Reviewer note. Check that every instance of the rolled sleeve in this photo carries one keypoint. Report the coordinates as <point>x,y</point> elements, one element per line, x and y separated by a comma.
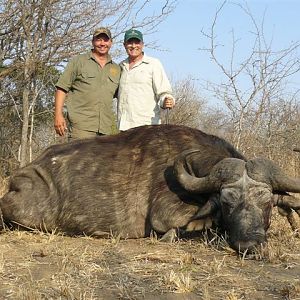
<point>161,84</point>
<point>67,78</point>
<point>163,97</point>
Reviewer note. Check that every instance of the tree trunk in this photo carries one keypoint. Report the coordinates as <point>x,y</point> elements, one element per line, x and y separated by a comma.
<point>25,124</point>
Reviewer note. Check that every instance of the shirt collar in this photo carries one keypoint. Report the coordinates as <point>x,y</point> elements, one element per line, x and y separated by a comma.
<point>145,59</point>
<point>109,59</point>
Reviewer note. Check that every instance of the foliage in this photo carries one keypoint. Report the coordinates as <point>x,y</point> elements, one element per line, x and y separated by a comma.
<point>189,105</point>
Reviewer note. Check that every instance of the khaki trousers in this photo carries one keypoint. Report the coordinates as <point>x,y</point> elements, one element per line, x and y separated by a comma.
<point>76,134</point>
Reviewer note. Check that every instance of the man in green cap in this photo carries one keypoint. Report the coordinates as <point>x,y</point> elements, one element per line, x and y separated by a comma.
<point>88,84</point>
<point>144,87</point>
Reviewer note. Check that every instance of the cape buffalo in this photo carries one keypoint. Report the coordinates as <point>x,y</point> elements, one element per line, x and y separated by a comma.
<point>160,178</point>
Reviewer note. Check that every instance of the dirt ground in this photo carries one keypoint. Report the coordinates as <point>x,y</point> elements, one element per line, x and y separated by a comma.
<point>36,265</point>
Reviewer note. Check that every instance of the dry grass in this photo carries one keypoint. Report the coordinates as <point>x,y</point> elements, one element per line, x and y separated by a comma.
<point>178,283</point>
<point>3,185</point>
<point>35,265</point>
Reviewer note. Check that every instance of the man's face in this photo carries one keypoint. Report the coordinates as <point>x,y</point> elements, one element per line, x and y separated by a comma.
<point>102,44</point>
<point>134,47</point>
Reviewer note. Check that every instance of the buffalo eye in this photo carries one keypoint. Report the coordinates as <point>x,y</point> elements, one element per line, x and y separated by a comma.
<point>230,196</point>
<point>263,198</point>
<point>227,208</point>
<point>229,200</point>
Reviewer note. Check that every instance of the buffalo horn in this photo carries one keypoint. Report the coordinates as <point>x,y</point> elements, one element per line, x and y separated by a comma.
<point>274,175</point>
<point>191,183</point>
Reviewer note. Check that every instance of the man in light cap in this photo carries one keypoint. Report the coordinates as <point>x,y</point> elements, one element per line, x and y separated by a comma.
<point>144,87</point>
<point>90,82</point>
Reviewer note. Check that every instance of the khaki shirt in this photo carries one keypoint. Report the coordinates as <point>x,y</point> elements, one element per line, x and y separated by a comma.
<point>142,91</point>
<point>90,91</point>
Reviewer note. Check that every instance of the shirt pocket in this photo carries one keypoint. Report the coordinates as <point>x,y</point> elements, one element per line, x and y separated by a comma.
<point>87,77</point>
<point>114,79</point>
<point>143,76</point>
<point>112,83</point>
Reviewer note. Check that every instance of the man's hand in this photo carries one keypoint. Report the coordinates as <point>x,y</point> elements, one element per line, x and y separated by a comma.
<point>168,103</point>
<point>60,125</point>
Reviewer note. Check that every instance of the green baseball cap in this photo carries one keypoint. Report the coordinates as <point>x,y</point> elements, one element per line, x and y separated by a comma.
<point>133,34</point>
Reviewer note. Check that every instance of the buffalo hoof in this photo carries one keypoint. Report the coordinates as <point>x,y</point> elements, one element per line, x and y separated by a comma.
<point>170,236</point>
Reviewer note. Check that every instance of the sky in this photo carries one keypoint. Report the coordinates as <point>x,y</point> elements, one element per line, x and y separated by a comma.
<point>180,35</point>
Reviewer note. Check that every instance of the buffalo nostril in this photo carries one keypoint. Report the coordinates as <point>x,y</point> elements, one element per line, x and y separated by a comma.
<point>258,233</point>
<point>251,242</point>
<point>248,247</point>
<point>258,237</point>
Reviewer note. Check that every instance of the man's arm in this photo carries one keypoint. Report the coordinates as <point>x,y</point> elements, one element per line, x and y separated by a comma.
<point>162,86</point>
<point>60,124</point>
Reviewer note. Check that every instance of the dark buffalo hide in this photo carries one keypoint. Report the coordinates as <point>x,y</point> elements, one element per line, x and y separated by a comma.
<point>160,178</point>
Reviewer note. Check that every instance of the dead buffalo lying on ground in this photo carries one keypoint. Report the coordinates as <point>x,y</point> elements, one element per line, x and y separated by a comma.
<point>157,178</point>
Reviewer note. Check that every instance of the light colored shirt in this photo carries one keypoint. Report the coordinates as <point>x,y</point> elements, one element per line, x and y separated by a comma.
<point>142,91</point>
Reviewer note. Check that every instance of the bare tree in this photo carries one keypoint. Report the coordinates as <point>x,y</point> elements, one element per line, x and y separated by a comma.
<point>189,105</point>
<point>37,35</point>
<point>252,87</point>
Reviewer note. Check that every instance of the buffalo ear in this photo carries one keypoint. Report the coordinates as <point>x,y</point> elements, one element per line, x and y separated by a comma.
<point>210,207</point>
<point>287,204</point>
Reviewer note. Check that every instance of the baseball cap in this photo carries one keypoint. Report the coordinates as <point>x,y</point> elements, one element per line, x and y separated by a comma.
<point>102,30</point>
<point>133,34</point>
